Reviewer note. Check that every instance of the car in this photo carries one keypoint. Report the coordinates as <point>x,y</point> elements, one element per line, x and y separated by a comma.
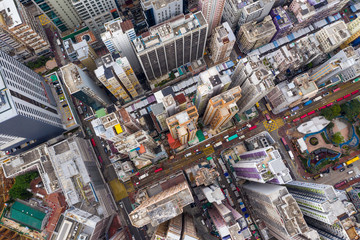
<point>85,109</point>
<point>325,94</point>
<point>350,179</point>
<point>70,118</point>
<point>105,150</point>
<point>342,169</point>
<point>350,172</point>
<point>65,105</point>
<point>350,165</point>
<point>326,171</point>
<point>62,100</point>
<point>199,152</point>
<point>55,34</point>
<point>196,150</point>
<point>62,49</point>
<point>286,117</point>
<point>357,176</point>
<point>80,103</point>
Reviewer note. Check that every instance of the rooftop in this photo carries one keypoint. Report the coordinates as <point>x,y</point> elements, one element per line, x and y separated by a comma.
<point>315,124</point>
<point>72,77</point>
<point>255,30</point>
<point>25,214</point>
<point>168,30</point>
<point>9,14</point>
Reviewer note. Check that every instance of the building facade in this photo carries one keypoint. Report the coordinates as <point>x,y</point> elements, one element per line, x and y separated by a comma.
<point>332,36</point>
<point>61,13</point>
<point>183,126</point>
<point>81,86</point>
<point>28,113</point>
<point>253,35</point>
<point>22,26</point>
<point>117,38</point>
<point>222,43</point>
<point>222,108</point>
<point>156,11</point>
<point>82,52</point>
<point>277,208</point>
<point>212,11</point>
<point>172,44</point>
<point>282,22</point>
<point>255,11</point>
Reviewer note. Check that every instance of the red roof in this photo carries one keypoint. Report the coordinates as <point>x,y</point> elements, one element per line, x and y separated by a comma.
<point>180,98</point>
<point>126,25</point>
<point>172,142</point>
<point>142,149</point>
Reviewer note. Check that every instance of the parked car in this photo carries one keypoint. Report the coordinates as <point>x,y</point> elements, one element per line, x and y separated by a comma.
<point>342,169</point>
<point>325,94</point>
<point>350,165</point>
<point>350,179</point>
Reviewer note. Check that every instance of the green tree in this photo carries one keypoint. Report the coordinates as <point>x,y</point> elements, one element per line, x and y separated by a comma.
<point>351,109</point>
<point>19,192</point>
<point>22,182</point>
<point>332,112</point>
<point>337,138</point>
<point>330,125</point>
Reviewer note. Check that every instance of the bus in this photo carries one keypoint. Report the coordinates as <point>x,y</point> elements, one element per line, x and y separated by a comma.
<point>268,107</point>
<point>352,161</point>
<point>232,137</point>
<point>339,99</point>
<point>338,185</point>
<point>310,113</point>
<point>285,144</point>
<point>295,108</point>
<point>253,127</point>
<point>93,142</point>
<point>317,98</point>
<point>355,92</point>
<point>336,89</point>
<point>218,144</point>
<point>308,103</point>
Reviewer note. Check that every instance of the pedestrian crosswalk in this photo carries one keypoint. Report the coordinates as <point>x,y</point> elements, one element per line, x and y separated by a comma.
<point>273,125</point>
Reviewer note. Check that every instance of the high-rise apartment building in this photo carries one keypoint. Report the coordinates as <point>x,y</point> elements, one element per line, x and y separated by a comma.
<point>309,12</point>
<point>222,108</point>
<point>282,22</point>
<point>129,122</point>
<point>343,66</point>
<point>110,127</point>
<point>255,81</point>
<point>175,228</point>
<point>189,230</point>
<point>117,38</point>
<point>222,43</point>
<point>262,165</point>
<point>28,113</point>
<point>95,13</point>
<point>156,11</point>
<point>332,36</point>
<point>163,206</point>
<point>279,211</point>
<point>118,77</point>
<point>22,27</point>
<point>212,11</point>
<point>231,13</point>
<point>81,86</point>
<point>61,13</point>
<point>210,84</point>
<point>82,52</point>
<point>255,11</point>
<point>322,207</point>
<point>253,34</point>
<point>183,126</point>
<point>159,112</point>
<point>172,44</point>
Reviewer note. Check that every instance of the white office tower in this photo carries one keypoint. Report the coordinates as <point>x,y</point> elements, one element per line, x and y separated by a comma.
<point>255,81</point>
<point>279,211</point>
<point>95,13</point>
<point>28,113</point>
<point>322,206</point>
<point>262,165</point>
<point>211,83</point>
<point>81,86</point>
<point>255,11</point>
<point>117,38</point>
<point>167,46</point>
<point>161,10</point>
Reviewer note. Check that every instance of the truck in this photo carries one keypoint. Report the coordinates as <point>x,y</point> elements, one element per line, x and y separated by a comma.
<point>338,166</point>
<point>308,103</point>
<point>217,145</point>
<point>318,176</point>
<point>58,42</point>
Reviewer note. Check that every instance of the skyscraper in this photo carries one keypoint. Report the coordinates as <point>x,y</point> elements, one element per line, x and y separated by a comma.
<point>81,86</point>
<point>95,13</point>
<point>22,27</point>
<point>212,11</point>
<point>172,44</point>
<point>210,84</point>
<point>322,206</point>
<point>222,108</point>
<point>82,52</point>
<point>222,43</point>
<point>255,81</point>
<point>277,208</point>
<point>183,126</point>
<point>28,114</point>
<point>255,11</point>
<point>156,11</point>
<point>61,13</point>
<point>117,38</point>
